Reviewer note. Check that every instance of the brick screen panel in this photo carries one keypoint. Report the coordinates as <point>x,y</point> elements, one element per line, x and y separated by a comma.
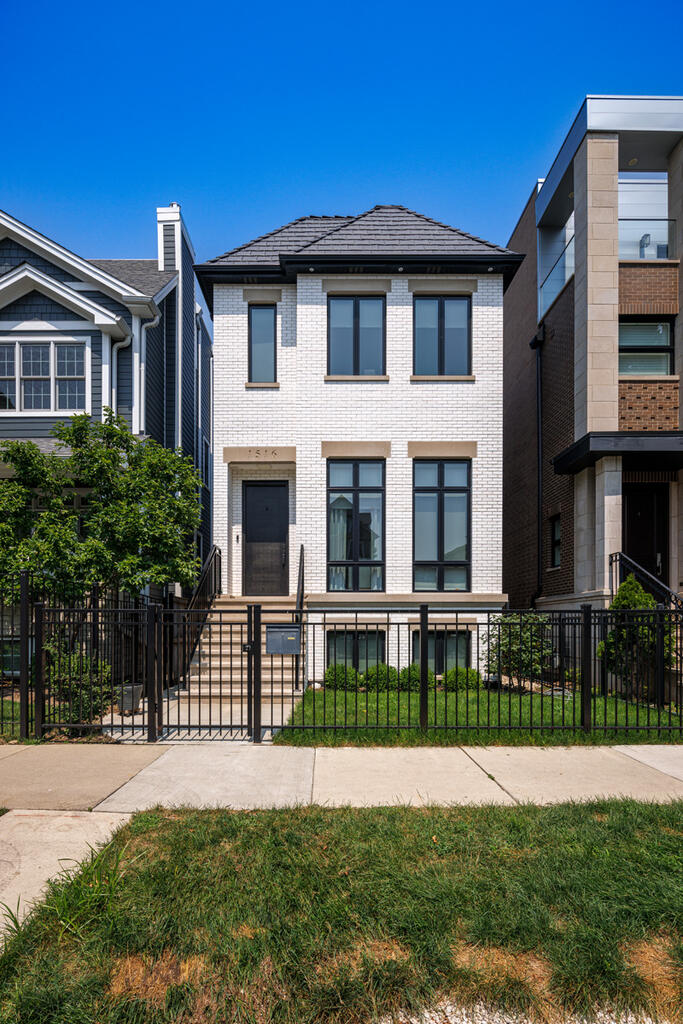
<point>558,433</point>
<point>648,405</point>
<point>648,289</point>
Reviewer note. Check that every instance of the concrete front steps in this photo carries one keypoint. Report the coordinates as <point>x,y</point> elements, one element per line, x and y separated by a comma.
<point>219,665</point>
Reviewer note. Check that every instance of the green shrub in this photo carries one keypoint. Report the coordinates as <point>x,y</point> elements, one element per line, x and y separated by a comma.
<point>381,677</point>
<point>462,678</point>
<point>341,677</point>
<point>630,648</point>
<point>519,646</point>
<point>409,677</point>
<point>81,683</point>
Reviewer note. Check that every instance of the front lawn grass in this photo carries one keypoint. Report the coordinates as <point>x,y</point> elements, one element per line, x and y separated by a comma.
<point>311,914</point>
<point>392,719</point>
<point>9,718</point>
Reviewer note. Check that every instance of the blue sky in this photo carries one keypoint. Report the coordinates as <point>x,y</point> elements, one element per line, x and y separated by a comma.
<point>250,115</point>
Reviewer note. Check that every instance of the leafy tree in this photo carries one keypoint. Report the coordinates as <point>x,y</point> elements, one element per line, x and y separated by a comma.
<point>519,646</point>
<point>140,514</point>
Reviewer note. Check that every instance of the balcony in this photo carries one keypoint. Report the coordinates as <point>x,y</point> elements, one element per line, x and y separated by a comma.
<point>556,279</point>
<point>651,239</point>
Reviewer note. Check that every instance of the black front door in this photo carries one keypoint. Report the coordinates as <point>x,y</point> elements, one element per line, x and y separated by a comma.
<point>646,527</point>
<point>265,569</point>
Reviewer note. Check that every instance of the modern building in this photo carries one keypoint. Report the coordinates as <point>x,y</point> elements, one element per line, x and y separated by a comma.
<point>82,335</point>
<point>593,449</point>
<point>358,413</point>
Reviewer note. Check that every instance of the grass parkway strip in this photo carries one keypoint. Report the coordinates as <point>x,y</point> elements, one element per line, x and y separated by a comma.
<point>312,914</point>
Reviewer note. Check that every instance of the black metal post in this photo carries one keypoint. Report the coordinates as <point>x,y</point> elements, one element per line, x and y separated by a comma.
<point>161,661</point>
<point>95,640</point>
<point>151,675</point>
<point>660,659</point>
<point>24,641</point>
<point>586,666</point>
<point>250,671</point>
<point>424,666</point>
<point>38,678</point>
<point>256,668</point>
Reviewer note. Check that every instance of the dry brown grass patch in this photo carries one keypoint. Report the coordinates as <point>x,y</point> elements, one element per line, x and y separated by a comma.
<point>652,960</point>
<point>377,950</point>
<point>143,978</point>
<point>246,931</point>
<point>493,962</point>
<point>257,998</point>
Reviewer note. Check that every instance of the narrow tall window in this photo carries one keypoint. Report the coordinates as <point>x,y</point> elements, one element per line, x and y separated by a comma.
<point>645,349</point>
<point>70,376</point>
<point>35,376</point>
<point>355,332</point>
<point>555,542</point>
<point>441,525</point>
<point>355,525</point>
<point>262,347</point>
<point>441,336</point>
<point>8,397</point>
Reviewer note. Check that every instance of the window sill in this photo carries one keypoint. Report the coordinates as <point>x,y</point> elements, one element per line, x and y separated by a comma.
<point>648,376</point>
<point>441,378</point>
<point>341,378</point>
<point>261,385</point>
<point>63,414</point>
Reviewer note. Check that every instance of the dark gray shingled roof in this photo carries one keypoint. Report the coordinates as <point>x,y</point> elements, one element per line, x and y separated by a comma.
<point>289,238</point>
<point>382,231</point>
<point>143,275</point>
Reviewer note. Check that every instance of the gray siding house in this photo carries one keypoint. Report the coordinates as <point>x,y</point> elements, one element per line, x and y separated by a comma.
<point>80,335</point>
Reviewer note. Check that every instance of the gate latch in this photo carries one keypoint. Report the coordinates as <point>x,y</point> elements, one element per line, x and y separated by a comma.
<point>246,648</point>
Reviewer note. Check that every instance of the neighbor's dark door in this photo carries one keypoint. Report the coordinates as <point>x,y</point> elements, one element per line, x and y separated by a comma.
<point>265,568</point>
<point>646,527</point>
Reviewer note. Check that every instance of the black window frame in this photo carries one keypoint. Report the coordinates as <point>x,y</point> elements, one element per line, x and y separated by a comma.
<point>441,648</point>
<point>555,545</point>
<point>442,335</point>
<point>632,321</point>
<point>261,305</point>
<point>356,563</point>
<point>441,489</point>
<point>378,631</point>
<point>356,299</point>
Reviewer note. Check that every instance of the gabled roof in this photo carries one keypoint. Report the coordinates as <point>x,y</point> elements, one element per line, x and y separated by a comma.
<point>143,275</point>
<point>289,238</point>
<point>25,278</point>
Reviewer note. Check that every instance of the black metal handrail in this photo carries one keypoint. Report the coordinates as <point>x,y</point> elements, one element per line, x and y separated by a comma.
<point>622,566</point>
<point>209,583</point>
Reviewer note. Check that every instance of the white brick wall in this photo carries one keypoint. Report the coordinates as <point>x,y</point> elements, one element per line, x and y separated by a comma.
<point>306,410</point>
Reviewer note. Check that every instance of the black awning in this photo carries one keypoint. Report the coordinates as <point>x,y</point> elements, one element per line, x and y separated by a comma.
<point>660,449</point>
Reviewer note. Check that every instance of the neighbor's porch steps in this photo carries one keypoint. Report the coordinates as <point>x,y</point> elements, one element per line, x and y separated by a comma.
<point>219,665</point>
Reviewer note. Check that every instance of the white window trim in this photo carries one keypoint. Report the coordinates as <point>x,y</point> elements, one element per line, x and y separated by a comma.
<point>56,339</point>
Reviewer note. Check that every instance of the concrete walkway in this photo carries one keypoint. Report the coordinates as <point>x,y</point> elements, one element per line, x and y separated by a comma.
<point>54,787</point>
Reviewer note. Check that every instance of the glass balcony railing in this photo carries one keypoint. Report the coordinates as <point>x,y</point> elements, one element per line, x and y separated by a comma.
<point>561,271</point>
<point>646,239</point>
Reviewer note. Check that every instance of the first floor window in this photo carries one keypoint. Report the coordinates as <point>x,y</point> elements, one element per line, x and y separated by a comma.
<point>355,525</point>
<point>441,525</point>
<point>360,648</point>
<point>441,329</point>
<point>555,542</point>
<point>262,347</point>
<point>43,376</point>
<point>446,649</point>
<point>355,330</point>
<point>645,348</point>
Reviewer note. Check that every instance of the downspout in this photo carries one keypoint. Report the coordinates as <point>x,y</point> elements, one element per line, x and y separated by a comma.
<point>115,369</point>
<point>536,344</point>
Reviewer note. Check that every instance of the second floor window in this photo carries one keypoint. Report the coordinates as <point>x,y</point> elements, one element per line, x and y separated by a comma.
<point>442,330</point>
<point>645,349</point>
<point>355,336</point>
<point>355,525</point>
<point>43,376</point>
<point>441,525</point>
<point>262,347</point>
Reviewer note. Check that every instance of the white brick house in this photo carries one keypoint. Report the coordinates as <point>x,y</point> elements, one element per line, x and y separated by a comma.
<point>358,370</point>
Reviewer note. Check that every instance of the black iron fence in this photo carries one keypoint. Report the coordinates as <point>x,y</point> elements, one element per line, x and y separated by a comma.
<point>146,671</point>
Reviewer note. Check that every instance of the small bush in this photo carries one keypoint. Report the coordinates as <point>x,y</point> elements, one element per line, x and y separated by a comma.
<point>409,677</point>
<point>381,677</point>
<point>341,677</point>
<point>462,678</point>
<point>79,682</point>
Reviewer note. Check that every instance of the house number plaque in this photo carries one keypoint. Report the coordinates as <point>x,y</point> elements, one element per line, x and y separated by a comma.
<point>260,453</point>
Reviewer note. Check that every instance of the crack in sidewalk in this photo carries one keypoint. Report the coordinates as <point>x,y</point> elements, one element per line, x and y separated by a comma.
<point>489,776</point>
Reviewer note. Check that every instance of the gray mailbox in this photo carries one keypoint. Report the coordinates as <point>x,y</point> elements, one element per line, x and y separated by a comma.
<point>283,639</point>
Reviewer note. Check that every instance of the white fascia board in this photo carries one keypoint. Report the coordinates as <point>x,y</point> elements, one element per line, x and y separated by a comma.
<point>56,253</point>
<point>25,278</point>
<point>163,292</point>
